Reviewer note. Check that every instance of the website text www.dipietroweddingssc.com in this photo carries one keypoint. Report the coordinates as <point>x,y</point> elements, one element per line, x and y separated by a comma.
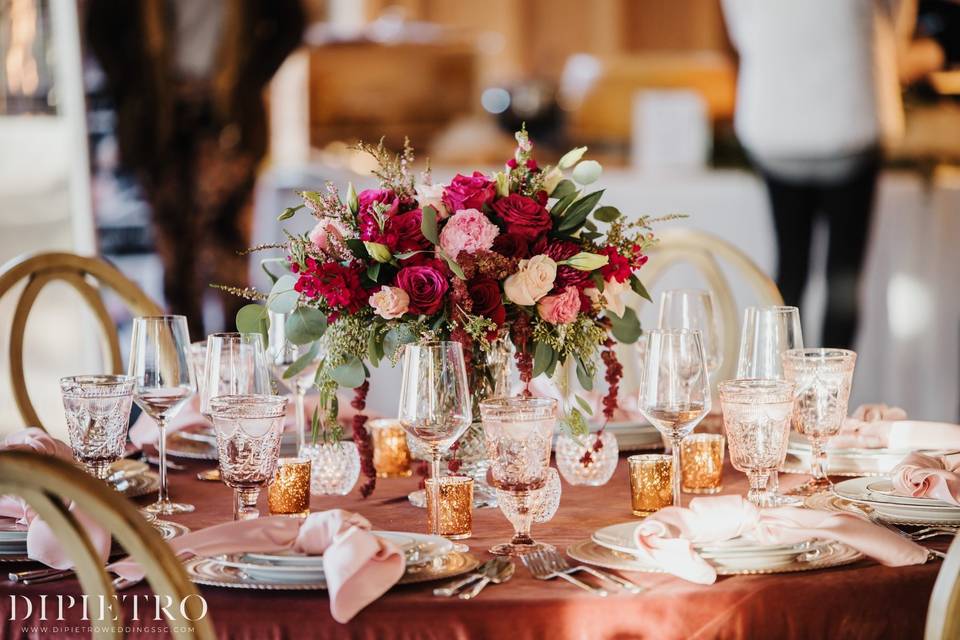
<point>151,613</point>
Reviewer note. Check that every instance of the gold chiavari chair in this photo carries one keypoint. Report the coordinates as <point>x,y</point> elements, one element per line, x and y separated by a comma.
<point>46,483</point>
<point>86,275</point>
<point>943,615</point>
<point>705,253</point>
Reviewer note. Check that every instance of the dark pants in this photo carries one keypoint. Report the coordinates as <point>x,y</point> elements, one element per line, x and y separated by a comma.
<point>847,207</point>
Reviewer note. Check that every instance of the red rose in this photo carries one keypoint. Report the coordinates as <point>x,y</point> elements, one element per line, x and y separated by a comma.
<point>523,216</point>
<point>339,286</point>
<point>511,245</point>
<point>406,229</point>
<point>426,287</point>
<point>368,197</point>
<point>468,192</point>
<point>617,268</point>
<point>375,221</point>
<point>487,300</point>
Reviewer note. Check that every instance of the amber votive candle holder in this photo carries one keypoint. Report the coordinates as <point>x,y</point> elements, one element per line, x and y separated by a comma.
<point>456,506</point>
<point>289,493</point>
<point>391,456</point>
<point>701,462</point>
<point>650,483</point>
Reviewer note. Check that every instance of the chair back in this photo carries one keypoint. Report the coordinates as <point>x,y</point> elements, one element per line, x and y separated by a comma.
<point>47,484</point>
<point>86,275</point>
<point>943,614</point>
<point>705,253</point>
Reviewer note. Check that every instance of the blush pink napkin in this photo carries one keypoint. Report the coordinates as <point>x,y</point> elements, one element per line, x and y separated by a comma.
<point>144,430</point>
<point>868,427</point>
<point>42,543</point>
<point>358,566</point>
<point>667,538</point>
<point>919,475</point>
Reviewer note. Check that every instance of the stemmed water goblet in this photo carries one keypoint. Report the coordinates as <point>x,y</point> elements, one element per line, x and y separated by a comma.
<point>518,433</point>
<point>435,402</point>
<point>674,388</point>
<point>163,383</point>
<point>756,419</point>
<point>281,355</point>
<point>98,415</point>
<point>768,332</point>
<point>249,430</point>
<point>235,365</point>
<point>822,379</point>
<point>694,309</point>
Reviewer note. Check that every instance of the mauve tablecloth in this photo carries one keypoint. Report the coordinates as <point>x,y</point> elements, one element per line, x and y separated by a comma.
<point>864,600</point>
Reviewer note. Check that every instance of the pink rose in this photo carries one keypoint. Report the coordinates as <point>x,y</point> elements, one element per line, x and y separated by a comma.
<point>467,230</point>
<point>561,308</point>
<point>328,236</point>
<point>377,207</point>
<point>390,302</point>
<point>468,192</point>
<point>431,195</point>
<point>425,286</point>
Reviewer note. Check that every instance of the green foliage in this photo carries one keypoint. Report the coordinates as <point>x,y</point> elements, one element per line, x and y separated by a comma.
<point>283,298</point>
<point>563,189</point>
<point>302,362</point>
<point>428,224</point>
<point>574,217</point>
<point>350,374</point>
<point>606,214</point>
<point>305,325</point>
<point>626,329</point>
<point>638,288</point>
<point>253,318</point>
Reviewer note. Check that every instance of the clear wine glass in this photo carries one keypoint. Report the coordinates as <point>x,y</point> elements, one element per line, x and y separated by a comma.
<point>756,419</point>
<point>435,402</point>
<point>249,429</point>
<point>694,309</point>
<point>518,433</point>
<point>674,388</point>
<point>164,381</point>
<point>769,331</point>
<point>281,353</point>
<point>822,379</point>
<point>235,365</point>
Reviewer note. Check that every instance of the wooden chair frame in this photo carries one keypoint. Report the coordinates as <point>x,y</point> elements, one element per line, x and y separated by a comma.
<point>943,614</point>
<point>701,250</point>
<point>45,482</point>
<point>39,270</point>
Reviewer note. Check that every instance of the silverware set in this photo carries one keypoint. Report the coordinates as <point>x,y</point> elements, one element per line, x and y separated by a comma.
<point>913,537</point>
<point>496,571</point>
<point>546,565</point>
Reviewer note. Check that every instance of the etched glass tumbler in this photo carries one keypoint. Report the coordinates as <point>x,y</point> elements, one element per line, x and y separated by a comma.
<point>98,415</point>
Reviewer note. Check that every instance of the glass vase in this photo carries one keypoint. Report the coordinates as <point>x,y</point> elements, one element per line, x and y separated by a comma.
<point>598,469</point>
<point>335,467</point>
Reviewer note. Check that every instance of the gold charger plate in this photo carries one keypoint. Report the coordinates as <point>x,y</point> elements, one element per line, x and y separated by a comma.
<point>168,530</point>
<point>180,445</point>
<point>208,572</point>
<point>832,554</point>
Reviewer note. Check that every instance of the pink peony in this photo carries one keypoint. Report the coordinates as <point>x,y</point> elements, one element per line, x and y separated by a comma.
<point>561,308</point>
<point>467,230</point>
<point>390,302</point>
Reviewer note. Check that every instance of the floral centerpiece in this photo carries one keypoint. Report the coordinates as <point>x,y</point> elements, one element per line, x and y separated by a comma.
<point>524,257</point>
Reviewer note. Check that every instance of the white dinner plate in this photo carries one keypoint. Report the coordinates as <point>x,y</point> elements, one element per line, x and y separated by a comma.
<point>882,490</point>
<point>12,531</point>
<point>856,490</point>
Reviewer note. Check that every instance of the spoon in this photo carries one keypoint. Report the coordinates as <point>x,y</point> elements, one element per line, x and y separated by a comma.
<point>501,571</point>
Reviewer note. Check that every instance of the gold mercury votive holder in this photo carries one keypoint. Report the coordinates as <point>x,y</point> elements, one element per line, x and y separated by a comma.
<point>391,456</point>
<point>289,493</point>
<point>456,506</point>
<point>701,462</point>
<point>650,483</point>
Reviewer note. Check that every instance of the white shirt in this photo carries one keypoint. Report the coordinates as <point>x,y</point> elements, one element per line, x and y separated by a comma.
<point>817,78</point>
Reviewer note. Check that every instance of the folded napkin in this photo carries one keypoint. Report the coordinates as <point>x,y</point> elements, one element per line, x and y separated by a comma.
<point>42,543</point>
<point>868,428</point>
<point>919,475</point>
<point>144,430</point>
<point>667,538</point>
<point>358,566</point>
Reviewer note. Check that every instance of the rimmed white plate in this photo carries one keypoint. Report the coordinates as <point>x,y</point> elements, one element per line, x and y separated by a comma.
<point>12,531</point>
<point>856,490</point>
<point>832,502</point>
<point>824,555</point>
<point>882,490</point>
<point>852,461</point>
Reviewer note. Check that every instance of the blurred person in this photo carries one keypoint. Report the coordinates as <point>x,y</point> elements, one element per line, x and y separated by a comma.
<point>818,97</point>
<point>186,78</point>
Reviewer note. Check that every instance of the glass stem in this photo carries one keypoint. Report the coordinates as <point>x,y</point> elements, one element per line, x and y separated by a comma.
<point>759,493</point>
<point>675,476</point>
<point>163,496</point>
<point>435,494</point>
<point>773,482</point>
<point>245,504</point>
<point>524,519</point>
<point>818,464</point>
<point>301,422</point>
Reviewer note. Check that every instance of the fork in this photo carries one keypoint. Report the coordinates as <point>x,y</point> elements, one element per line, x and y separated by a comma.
<point>538,564</point>
<point>875,518</point>
<point>559,563</point>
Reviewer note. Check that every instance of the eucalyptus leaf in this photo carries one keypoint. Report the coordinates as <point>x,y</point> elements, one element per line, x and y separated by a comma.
<point>577,213</point>
<point>263,266</point>
<point>563,189</point>
<point>395,337</point>
<point>428,224</point>
<point>583,376</point>
<point>301,363</point>
<point>375,346</point>
<point>606,214</point>
<point>584,405</point>
<point>350,374</point>
<point>305,325</point>
<point>625,329</point>
<point>543,355</point>
<point>457,271</point>
<point>283,298</point>
<point>253,318</point>
<point>638,288</point>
